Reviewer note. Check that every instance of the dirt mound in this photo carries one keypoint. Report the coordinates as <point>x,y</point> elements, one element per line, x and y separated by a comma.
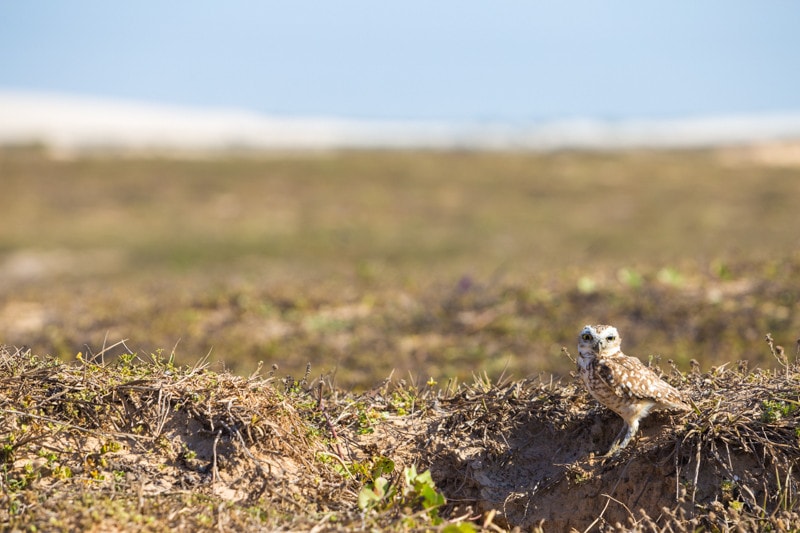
<point>528,451</point>
<point>141,443</point>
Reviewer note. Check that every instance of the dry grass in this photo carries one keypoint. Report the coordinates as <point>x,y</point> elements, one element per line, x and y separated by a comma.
<point>145,444</point>
<point>526,454</point>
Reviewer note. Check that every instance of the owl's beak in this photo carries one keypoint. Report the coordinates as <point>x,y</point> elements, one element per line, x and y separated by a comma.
<point>598,345</point>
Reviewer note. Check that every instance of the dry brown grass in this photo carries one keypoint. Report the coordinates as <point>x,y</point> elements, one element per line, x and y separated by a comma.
<point>526,450</point>
<point>145,444</point>
<point>92,446</point>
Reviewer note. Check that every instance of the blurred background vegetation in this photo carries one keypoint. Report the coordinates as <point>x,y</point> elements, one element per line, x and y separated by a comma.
<point>425,263</point>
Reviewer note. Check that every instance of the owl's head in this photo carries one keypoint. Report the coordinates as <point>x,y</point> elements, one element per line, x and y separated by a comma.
<point>598,341</point>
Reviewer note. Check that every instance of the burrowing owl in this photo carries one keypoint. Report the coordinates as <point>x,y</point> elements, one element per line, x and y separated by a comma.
<point>622,383</point>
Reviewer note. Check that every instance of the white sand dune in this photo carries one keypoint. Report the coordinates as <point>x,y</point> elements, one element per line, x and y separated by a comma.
<point>72,123</point>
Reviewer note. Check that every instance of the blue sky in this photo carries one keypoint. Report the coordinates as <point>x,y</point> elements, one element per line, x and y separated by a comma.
<point>448,60</point>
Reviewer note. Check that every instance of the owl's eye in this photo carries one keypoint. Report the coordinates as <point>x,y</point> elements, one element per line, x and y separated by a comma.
<point>610,338</point>
<point>586,337</point>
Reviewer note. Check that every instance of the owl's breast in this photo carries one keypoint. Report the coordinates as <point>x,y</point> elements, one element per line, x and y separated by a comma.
<point>604,389</point>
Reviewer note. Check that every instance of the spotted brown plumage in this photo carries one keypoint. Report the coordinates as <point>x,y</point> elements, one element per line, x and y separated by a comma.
<point>621,383</point>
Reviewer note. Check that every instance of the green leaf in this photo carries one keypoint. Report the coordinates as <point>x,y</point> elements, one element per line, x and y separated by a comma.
<point>372,493</point>
<point>461,527</point>
<point>431,497</point>
<point>383,465</point>
<point>367,498</point>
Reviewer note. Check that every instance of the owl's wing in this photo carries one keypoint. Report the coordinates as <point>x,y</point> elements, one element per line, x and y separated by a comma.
<point>608,375</point>
<point>630,378</point>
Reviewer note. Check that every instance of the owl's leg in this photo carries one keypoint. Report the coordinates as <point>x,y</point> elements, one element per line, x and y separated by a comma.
<point>615,446</point>
<point>624,437</point>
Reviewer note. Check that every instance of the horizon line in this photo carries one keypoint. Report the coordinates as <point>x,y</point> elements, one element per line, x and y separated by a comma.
<point>85,123</point>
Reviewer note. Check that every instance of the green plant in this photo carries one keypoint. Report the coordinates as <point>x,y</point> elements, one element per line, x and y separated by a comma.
<point>62,472</point>
<point>366,416</point>
<point>110,446</point>
<point>630,277</point>
<point>417,491</point>
<point>774,410</point>
<point>670,276</point>
<point>7,450</point>
<point>402,401</point>
<point>587,285</point>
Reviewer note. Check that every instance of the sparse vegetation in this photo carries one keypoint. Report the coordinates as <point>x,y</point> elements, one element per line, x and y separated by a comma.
<point>149,445</point>
<point>431,294</point>
<point>439,264</point>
